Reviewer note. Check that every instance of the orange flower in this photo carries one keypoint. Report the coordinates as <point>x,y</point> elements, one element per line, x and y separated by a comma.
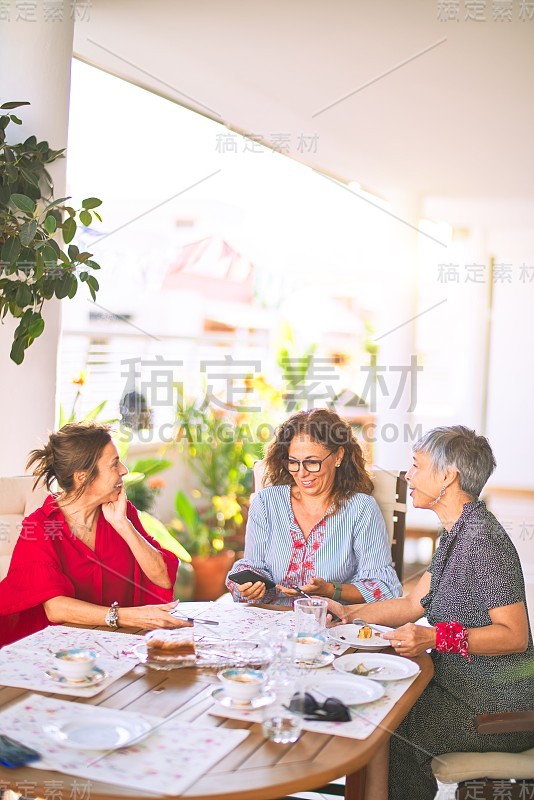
<point>80,380</point>
<point>156,483</point>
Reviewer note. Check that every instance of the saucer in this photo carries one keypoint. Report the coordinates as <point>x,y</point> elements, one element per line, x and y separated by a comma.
<point>322,660</point>
<point>262,699</point>
<point>95,676</point>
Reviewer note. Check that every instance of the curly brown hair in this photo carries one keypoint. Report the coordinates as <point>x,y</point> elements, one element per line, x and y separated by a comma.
<point>328,429</point>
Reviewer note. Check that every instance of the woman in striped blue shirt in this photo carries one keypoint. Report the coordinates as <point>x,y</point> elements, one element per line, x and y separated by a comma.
<point>316,526</point>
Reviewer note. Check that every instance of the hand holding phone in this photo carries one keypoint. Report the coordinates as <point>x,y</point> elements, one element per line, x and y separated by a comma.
<point>15,754</point>
<point>248,575</point>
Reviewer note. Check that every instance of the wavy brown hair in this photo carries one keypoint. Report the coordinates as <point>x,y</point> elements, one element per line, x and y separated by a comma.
<point>76,447</point>
<point>328,429</point>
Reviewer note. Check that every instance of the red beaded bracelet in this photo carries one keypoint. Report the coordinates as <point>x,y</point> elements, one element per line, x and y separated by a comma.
<point>451,637</point>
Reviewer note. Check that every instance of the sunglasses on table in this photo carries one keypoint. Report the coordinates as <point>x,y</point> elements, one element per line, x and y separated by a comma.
<point>309,464</point>
<point>332,710</point>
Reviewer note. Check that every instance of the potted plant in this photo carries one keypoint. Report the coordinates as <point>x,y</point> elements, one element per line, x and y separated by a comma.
<point>202,534</point>
<point>34,267</point>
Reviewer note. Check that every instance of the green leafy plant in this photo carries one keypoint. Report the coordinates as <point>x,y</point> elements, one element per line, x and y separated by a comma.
<point>199,532</point>
<point>142,487</point>
<point>220,447</point>
<point>34,267</point>
<point>159,532</point>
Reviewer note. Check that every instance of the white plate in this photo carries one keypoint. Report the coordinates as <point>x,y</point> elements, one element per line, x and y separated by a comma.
<point>106,733</point>
<point>350,689</point>
<point>95,676</point>
<point>262,699</point>
<point>348,635</point>
<point>323,660</point>
<point>394,668</point>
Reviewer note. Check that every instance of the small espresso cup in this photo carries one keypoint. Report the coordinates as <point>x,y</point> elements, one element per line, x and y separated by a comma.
<point>308,646</point>
<point>242,683</point>
<point>74,663</point>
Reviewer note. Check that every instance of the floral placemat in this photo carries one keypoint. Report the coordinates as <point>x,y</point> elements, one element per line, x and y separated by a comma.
<point>238,621</point>
<point>173,756</point>
<point>24,664</point>
<point>365,718</point>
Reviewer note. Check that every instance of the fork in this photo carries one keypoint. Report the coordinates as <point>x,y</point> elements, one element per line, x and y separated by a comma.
<point>367,672</point>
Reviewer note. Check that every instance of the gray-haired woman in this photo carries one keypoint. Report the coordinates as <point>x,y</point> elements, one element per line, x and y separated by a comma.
<point>473,596</point>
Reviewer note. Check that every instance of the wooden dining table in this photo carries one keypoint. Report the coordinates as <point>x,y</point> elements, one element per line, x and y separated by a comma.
<point>257,769</point>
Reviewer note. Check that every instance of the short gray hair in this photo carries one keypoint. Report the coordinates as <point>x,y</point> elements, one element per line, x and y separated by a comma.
<point>461,448</point>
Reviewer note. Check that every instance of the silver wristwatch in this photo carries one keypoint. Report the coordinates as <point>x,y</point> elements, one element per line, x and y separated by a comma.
<point>112,617</point>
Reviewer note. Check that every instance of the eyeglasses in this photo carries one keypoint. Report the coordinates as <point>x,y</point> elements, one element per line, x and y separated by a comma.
<point>332,710</point>
<point>310,465</point>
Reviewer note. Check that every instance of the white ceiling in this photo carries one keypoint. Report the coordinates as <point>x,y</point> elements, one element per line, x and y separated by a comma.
<point>455,120</point>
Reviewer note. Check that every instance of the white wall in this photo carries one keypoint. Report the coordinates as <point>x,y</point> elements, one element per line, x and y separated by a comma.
<point>35,65</point>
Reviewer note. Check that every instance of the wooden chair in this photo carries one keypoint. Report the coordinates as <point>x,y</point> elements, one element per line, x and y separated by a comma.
<point>17,500</point>
<point>390,494</point>
<point>492,774</point>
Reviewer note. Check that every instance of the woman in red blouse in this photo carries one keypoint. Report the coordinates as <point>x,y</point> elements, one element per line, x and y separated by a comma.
<point>84,557</point>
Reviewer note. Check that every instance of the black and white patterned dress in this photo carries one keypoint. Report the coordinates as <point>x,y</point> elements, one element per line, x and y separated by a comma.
<point>475,569</point>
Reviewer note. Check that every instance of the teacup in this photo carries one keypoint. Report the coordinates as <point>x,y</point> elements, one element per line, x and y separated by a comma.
<point>242,683</point>
<point>307,646</point>
<point>74,663</point>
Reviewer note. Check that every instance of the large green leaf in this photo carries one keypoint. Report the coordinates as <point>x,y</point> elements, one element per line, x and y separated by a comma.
<point>186,511</point>
<point>11,250</point>
<point>23,202</point>
<point>50,224</point>
<point>69,230</point>
<point>24,296</point>
<point>151,466</point>
<point>36,328</point>
<point>95,412</point>
<point>91,202</point>
<point>159,532</point>
<point>15,104</point>
<point>85,218</point>
<point>28,231</point>
<point>17,350</point>
<point>132,478</point>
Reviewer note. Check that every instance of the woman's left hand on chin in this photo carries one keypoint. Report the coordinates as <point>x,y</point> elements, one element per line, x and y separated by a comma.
<point>411,640</point>
<point>114,511</point>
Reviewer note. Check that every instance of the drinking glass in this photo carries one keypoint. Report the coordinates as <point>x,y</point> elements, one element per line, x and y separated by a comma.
<point>281,724</point>
<point>310,615</point>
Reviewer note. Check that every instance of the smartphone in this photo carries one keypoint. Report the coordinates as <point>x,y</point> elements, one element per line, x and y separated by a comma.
<point>15,754</point>
<point>247,575</point>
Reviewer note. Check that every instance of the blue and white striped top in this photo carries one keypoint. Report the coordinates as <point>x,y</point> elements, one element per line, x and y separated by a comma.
<point>350,546</point>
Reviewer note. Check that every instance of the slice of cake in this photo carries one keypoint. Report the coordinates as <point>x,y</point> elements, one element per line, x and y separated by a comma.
<point>365,632</point>
<point>170,646</point>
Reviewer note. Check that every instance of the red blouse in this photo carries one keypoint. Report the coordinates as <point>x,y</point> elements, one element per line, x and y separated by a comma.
<point>49,561</point>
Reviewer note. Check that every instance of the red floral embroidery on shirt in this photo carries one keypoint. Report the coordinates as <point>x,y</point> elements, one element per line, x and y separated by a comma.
<point>301,567</point>
<point>374,588</point>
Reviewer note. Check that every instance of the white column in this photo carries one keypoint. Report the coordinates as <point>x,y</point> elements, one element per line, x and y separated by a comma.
<point>396,338</point>
<point>35,59</point>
